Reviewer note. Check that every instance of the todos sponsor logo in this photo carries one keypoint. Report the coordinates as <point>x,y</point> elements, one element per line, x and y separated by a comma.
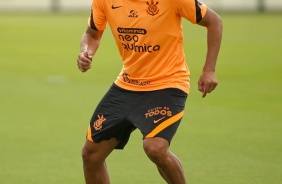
<point>158,111</point>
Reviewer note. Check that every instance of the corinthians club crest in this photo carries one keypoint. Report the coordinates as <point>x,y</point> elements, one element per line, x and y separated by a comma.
<point>152,8</point>
<point>98,124</point>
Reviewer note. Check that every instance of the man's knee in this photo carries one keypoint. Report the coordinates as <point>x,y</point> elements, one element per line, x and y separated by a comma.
<point>91,156</point>
<point>157,150</point>
<point>97,152</point>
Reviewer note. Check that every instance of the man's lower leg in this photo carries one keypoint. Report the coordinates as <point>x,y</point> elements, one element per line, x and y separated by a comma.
<point>172,170</point>
<point>96,173</point>
<point>168,164</point>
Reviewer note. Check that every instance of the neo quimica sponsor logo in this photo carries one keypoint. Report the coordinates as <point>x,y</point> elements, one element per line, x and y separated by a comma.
<point>130,38</point>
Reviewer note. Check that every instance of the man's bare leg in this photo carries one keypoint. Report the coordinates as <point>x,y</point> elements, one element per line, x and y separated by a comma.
<point>94,164</point>
<point>163,174</point>
<point>168,164</point>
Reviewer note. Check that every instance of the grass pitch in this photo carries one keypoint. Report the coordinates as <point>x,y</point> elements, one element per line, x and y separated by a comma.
<point>233,136</point>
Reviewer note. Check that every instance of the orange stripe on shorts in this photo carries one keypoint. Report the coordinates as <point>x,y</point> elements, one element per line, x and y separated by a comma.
<point>89,134</point>
<point>165,124</point>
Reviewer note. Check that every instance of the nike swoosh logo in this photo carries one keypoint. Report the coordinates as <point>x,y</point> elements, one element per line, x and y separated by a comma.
<point>156,121</point>
<point>115,7</point>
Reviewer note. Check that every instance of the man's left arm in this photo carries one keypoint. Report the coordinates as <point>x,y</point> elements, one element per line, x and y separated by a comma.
<point>208,82</point>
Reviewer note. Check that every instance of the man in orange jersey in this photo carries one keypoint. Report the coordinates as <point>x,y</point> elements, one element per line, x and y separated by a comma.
<point>152,87</point>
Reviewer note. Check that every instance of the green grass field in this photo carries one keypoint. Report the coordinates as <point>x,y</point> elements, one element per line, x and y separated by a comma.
<point>233,136</point>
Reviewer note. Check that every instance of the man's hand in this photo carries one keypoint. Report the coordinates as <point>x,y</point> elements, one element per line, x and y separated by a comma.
<point>84,61</point>
<point>207,83</point>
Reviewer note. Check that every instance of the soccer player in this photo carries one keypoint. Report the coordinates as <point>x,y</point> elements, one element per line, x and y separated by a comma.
<point>152,87</point>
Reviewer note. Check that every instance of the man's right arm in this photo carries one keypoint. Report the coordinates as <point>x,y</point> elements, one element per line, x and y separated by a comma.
<point>88,46</point>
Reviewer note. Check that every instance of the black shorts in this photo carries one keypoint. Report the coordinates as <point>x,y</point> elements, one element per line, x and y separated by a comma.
<point>154,113</point>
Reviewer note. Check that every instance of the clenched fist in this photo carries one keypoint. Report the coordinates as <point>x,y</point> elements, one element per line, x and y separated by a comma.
<point>84,61</point>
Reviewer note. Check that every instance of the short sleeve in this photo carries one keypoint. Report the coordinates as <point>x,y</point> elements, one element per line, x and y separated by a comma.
<point>192,10</point>
<point>97,19</point>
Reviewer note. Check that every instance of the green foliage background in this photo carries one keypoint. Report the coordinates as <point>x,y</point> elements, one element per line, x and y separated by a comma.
<point>233,136</point>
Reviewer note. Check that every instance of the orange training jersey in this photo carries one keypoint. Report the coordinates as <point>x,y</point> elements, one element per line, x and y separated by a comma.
<point>149,37</point>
